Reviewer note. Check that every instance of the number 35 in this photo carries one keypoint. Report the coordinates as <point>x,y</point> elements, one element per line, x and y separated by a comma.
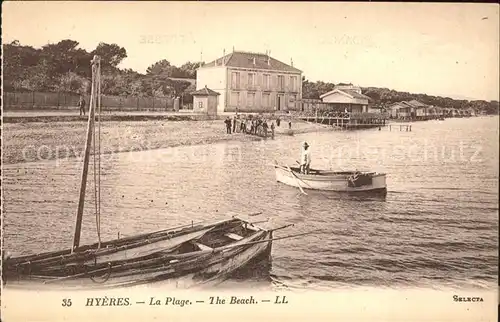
<point>66,302</point>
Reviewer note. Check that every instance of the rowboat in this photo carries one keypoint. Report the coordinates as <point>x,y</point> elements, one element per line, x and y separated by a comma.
<point>328,180</point>
<point>191,255</point>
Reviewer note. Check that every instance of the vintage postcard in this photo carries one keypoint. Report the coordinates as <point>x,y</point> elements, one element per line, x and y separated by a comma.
<point>249,161</point>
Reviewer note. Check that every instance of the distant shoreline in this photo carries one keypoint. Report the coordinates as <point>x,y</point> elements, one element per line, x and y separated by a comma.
<point>41,141</point>
<point>67,115</point>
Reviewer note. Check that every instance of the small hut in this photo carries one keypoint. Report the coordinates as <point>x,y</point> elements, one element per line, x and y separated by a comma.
<point>205,100</point>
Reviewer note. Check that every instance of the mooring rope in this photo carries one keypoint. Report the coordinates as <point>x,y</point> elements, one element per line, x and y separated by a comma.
<point>105,277</point>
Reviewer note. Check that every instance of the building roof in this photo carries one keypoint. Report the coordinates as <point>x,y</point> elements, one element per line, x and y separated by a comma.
<point>416,103</point>
<point>356,94</point>
<point>404,104</point>
<point>205,91</point>
<point>243,59</point>
<point>348,92</point>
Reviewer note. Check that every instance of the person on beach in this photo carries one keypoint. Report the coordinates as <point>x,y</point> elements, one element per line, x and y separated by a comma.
<point>234,124</point>
<point>264,127</point>
<point>305,160</point>
<point>243,125</point>
<point>5,256</point>
<point>248,127</point>
<point>81,105</point>
<point>290,125</point>
<point>278,122</point>
<point>272,130</point>
<point>228,125</point>
<point>259,124</point>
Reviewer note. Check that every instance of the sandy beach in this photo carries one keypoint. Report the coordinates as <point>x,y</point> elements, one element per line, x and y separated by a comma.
<point>36,141</point>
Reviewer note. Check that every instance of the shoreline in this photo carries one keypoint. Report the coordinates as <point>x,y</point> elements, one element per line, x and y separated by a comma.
<point>39,141</point>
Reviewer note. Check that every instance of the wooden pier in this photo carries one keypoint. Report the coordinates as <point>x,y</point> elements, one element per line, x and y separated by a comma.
<point>402,127</point>
<point>349,121</point>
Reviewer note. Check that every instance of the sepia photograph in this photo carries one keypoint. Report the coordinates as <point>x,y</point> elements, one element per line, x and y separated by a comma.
<point>249,161</point>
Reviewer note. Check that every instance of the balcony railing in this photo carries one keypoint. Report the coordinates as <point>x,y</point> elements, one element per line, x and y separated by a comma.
<point>236,86</point>
<point>345,115</point>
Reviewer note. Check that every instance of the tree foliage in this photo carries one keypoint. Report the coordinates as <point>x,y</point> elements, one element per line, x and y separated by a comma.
<point>385,96</point>
<point>64,66</point>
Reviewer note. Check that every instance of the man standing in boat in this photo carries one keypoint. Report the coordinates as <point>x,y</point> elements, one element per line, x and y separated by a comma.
<point>305,160</point>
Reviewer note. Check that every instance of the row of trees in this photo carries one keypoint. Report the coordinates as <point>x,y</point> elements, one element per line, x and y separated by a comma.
<point>64,67</point>
<point>385,96</point>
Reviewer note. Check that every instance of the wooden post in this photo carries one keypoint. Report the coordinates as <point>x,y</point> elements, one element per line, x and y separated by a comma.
<point>83,186</point>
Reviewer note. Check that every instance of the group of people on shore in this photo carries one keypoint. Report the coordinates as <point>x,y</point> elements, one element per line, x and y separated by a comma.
<point>255,126</point>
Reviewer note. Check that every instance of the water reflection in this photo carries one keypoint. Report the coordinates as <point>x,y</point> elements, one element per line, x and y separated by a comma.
<point>431,203</point>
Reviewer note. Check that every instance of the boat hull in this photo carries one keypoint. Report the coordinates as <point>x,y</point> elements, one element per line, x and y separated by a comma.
<point>200,268</point>
<point>330,180</point>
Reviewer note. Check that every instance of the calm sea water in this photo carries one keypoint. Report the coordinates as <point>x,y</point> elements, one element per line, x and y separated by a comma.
<point>437,226</point>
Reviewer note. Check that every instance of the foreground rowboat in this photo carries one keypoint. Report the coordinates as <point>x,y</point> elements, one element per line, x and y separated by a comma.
<point>196,255</point>
<point>341,181</point>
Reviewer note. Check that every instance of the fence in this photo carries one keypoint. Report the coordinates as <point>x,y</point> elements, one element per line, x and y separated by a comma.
<point>45,101</point>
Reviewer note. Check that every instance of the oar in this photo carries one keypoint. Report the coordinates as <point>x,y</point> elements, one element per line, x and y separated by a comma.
<point>198,253</point>
<point>282,227</point>
<point>296,179</point>
<point>260,241</point>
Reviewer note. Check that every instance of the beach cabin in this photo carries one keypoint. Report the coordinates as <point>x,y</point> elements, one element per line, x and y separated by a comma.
<point>419,110</point>
<point>346,98</point>
<point>395,109</point>
<point>205,100</point>
<point>403,110</point>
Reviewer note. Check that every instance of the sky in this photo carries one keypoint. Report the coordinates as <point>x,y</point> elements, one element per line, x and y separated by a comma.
<point>445,49</point>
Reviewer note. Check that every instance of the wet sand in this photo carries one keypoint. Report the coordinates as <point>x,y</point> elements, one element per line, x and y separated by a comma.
<point>36,141</point>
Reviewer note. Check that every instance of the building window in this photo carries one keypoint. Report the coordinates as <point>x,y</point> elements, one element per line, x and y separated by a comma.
<point>266,100</point>
<point>291,100</point>
<point>266,81</point>
<point>250,80</point>
<point>293,82</point>
<point>281,82</point>
<point>235,80</point>
<point>235,99</point>
<point>251,99</point>
<point>200,105</point>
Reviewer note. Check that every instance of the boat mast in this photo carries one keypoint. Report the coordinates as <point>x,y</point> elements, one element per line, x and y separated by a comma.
<point>90,128</point>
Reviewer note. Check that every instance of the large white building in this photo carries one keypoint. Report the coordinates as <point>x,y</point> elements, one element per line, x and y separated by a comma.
<point>252,82</point>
